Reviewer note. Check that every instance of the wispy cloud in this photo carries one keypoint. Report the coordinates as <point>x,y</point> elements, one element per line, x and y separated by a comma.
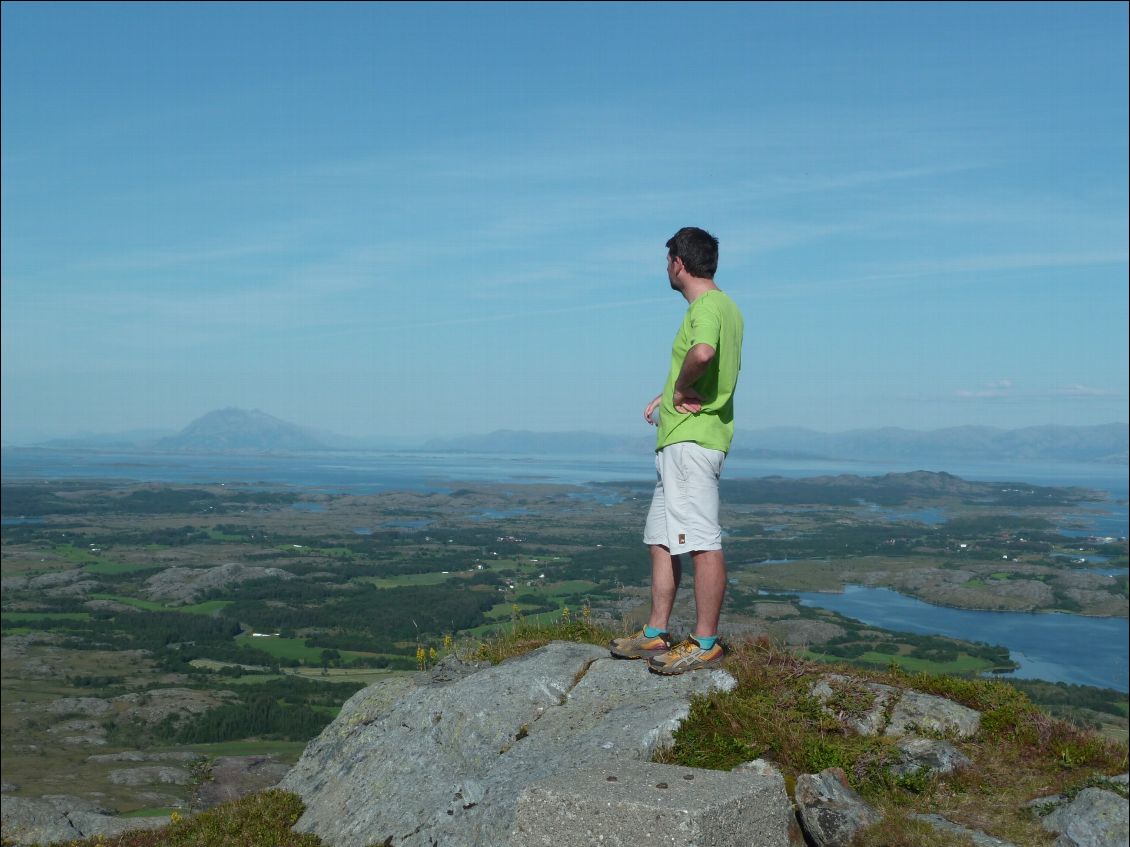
<point>1004,389</point>
<point>997,389</point>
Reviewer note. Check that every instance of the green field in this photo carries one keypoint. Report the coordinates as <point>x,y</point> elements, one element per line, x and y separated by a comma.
<point>962,665</point>
<point>95,564</point>
<point>285,750</point>
<point>292,648</point>
<point>408,579</point>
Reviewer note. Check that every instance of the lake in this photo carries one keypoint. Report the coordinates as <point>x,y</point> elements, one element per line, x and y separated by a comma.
<point>1055,647</point>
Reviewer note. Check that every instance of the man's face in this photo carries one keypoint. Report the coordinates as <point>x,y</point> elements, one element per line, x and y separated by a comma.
<point>673,266</point>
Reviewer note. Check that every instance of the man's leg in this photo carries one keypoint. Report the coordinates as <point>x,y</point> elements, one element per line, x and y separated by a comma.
<point>666,573</point>
<point>709,590</point>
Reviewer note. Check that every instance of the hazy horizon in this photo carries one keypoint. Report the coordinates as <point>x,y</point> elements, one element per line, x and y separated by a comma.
<point>643,432</point>
<point>419,220</point>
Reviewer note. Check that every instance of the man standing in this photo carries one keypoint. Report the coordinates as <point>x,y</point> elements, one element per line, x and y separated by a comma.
<point>696,426</point>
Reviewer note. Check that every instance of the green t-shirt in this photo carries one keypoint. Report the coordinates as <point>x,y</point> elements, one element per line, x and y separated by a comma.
<point>712,319</point>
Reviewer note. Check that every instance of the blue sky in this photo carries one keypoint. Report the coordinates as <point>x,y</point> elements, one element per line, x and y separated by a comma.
<point>415,220</point>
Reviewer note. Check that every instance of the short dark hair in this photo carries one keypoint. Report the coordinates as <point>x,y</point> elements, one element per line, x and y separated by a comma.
<point>697,248</point>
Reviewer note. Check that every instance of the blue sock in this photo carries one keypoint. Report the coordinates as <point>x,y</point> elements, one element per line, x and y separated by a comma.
<point>651,632</point>
<point>706,641</point>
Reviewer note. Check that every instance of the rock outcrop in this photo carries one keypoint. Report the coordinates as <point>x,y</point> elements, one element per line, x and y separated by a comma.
<point>1095,818</point>
<point>831,812</point>
<point>864,708</point>
<point>48,820</point>
<point>187,585</point>
<point>429,761</point>
<point>233,777</point>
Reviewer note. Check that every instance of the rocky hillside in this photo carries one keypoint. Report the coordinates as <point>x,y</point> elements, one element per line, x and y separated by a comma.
<point>555,747</point>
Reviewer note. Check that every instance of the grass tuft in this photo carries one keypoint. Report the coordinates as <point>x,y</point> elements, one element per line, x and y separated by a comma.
<point>260,820</point>
<point>525,636</point>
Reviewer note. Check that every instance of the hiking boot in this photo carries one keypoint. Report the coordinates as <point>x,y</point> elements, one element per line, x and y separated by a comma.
<point>639,646</point>
<point>686,656</point>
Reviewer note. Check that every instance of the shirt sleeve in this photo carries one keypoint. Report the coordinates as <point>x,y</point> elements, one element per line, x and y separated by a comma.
<point>706,325</point>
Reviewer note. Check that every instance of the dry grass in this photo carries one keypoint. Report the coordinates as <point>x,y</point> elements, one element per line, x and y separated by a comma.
<point>1020,753</point>
<point>525,636</point>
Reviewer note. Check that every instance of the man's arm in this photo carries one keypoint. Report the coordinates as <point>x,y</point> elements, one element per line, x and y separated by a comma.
<point>686,400</point>
<point>650,410</point>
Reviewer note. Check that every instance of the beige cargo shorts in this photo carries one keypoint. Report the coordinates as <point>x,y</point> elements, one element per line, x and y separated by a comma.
<point>684,509</point>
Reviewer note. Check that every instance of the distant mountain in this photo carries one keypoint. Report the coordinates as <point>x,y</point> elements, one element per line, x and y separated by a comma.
<point>1107,443</point>
<point>239,429</point>
<point>109,441</point>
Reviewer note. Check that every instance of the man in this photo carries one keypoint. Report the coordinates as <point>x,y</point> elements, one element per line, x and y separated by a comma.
<point>696,426</point>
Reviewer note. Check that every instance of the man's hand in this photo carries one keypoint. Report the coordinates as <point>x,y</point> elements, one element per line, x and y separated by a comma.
<point>650,410</point>
<point>687,401</point>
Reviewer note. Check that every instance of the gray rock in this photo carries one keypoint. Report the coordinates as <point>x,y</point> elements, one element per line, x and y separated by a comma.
<point>1095,818</point>
<point>632,803</point>
<point>918,711</point>
<point>187,585</point>
<point>480,740</point>
<point>91,739</point>
<point>150,775</point>
<point>868,721</point>
<point>47,581</point>
<point>452,668</point>
<point>980,839</point>
<point>47,820</point>
<point>74,589</point>
<point>774,610</point>
<point>111,606</point>
<point>760,767</point>
<point>89,706</point>
<point>154,706</point>
<point>233,777</point>
<point>930,755</point>
<point>805,631</point>
<point>16,646</point>
<point>75,725</point>
<point>79,731</point>
<point>831,812</point>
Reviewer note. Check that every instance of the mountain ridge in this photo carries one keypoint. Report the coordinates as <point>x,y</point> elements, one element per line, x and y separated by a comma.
<point>234,429</point>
